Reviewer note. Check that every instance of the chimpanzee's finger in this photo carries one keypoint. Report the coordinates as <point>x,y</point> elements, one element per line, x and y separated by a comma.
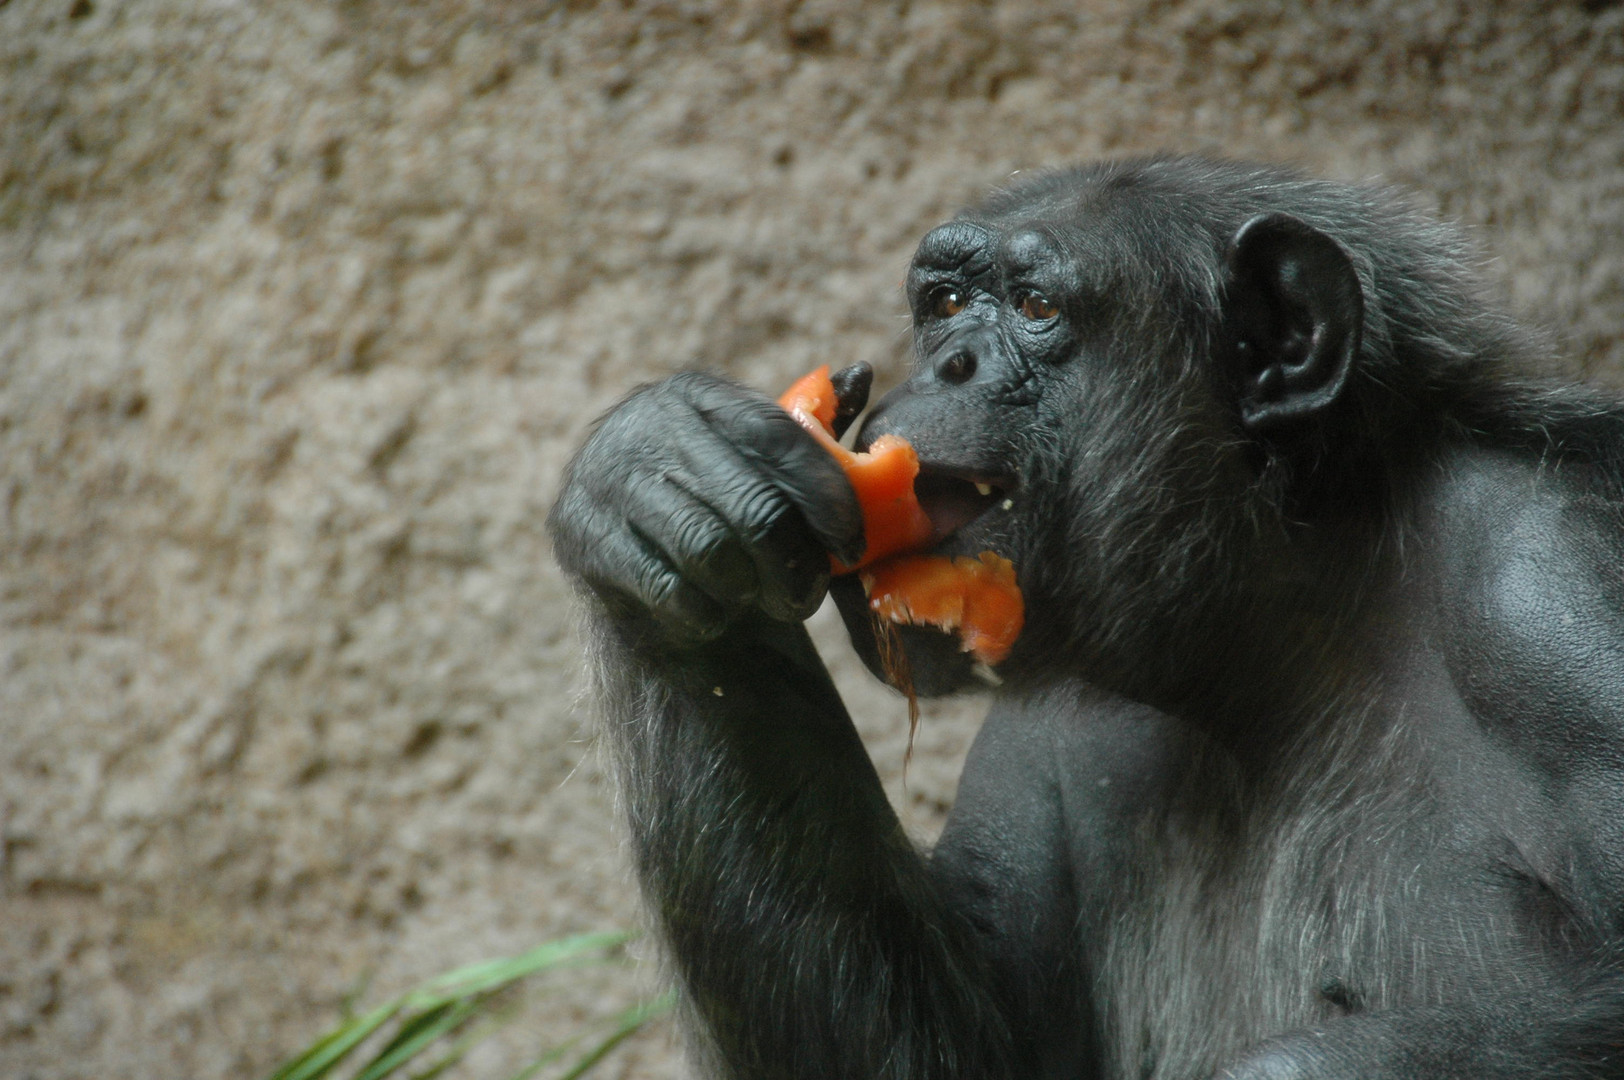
<point>790,565</point>
<point>626,562</point>
<point>771,440</point>
<point>695,539</point>
<point>852,385</point>
<point>792,568</point>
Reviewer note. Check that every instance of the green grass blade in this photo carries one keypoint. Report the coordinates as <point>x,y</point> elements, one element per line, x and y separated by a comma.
<point>319,1060</point>
<point>491,974</point>
<point>546,1059</point>
<point>626,1025</point>
<point>455,1053</point>
<point>466,1040</point>
<point>438,1008</point>
<point>439,1067</point>
<point>415,1035</point>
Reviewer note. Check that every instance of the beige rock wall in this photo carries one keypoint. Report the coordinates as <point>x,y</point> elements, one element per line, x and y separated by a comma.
<point>303,305</point>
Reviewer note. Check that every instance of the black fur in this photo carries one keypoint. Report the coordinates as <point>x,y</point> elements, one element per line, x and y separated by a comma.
<point>1310,760</point>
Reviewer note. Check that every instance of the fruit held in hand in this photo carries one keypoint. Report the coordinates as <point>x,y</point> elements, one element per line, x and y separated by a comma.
<point>882,476</point>
<point>975,597</point>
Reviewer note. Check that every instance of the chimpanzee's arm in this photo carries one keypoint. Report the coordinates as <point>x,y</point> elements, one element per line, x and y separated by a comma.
<point>808,934</point>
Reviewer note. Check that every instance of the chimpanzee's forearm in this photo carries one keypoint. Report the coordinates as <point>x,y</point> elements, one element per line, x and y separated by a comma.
<point>807,933</point>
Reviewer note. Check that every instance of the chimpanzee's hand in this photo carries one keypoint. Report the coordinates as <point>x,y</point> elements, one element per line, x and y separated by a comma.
<point>697,499</point>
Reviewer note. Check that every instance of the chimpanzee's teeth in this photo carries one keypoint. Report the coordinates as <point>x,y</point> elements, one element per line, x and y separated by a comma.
<point>951,502</point>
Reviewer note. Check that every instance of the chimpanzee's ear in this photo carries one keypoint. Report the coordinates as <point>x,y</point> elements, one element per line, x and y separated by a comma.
<point>1296,311</point>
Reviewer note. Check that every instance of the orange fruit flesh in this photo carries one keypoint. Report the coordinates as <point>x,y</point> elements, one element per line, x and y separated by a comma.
<point>975,597</point>
<point>883,476</point>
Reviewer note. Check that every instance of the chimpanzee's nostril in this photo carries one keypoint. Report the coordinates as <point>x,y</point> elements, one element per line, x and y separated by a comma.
<point>957,367</point>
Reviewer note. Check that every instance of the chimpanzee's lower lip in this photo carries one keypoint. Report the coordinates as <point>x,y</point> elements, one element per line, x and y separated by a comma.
<point>952,501</point>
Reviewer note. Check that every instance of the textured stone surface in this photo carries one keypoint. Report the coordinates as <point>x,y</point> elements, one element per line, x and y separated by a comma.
<point>303,305</point>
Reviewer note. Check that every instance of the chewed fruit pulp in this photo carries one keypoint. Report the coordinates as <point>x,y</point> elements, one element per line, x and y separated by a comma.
<point>977,598</point>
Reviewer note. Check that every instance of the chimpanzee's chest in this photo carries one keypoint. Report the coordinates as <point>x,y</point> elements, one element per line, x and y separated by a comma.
<point>1230,915</point>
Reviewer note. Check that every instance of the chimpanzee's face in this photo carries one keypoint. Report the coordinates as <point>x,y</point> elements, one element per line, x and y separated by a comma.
<point>1098,382</point>
<point>1017,395</point>
<point>996,316</point>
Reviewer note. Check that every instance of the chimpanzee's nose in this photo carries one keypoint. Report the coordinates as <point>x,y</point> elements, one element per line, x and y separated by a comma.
<point>965,356</point>
<point>957,366</point>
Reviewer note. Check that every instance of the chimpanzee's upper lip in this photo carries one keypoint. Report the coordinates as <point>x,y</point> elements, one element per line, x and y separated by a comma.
<point>953,498</point>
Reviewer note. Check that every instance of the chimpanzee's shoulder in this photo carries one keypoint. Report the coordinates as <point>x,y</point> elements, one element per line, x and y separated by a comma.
<point>1531,611</point>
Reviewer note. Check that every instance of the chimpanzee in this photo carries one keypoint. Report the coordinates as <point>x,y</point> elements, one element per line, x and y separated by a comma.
<point>1310,759</point>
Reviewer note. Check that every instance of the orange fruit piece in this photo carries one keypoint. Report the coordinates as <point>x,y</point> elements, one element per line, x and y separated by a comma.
<point>975,597</point>
<point>883,476</point>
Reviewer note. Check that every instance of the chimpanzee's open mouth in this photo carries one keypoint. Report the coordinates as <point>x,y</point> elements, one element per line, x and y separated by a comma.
<point>952,502</point>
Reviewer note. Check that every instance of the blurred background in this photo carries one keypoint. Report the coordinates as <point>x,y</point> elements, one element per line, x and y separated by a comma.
<point>303,306</point>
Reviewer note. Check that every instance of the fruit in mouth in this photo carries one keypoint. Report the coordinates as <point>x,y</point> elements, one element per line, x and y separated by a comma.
<point>976,598</point>
<point>883,477</point>
<point>952,502</point>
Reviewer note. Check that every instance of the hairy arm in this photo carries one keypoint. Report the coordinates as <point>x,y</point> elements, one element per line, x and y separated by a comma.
<point>809,935</point>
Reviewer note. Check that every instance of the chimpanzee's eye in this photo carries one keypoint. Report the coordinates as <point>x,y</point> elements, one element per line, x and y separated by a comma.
<point>946,301</point>
<point>1036,307</point>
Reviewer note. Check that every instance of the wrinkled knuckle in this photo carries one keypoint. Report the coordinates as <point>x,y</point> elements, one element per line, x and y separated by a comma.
<point>661,590</point>
<point>757,510</point>
<point>592,566</point>
<point>689,533</point>
<point>699,539</point>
